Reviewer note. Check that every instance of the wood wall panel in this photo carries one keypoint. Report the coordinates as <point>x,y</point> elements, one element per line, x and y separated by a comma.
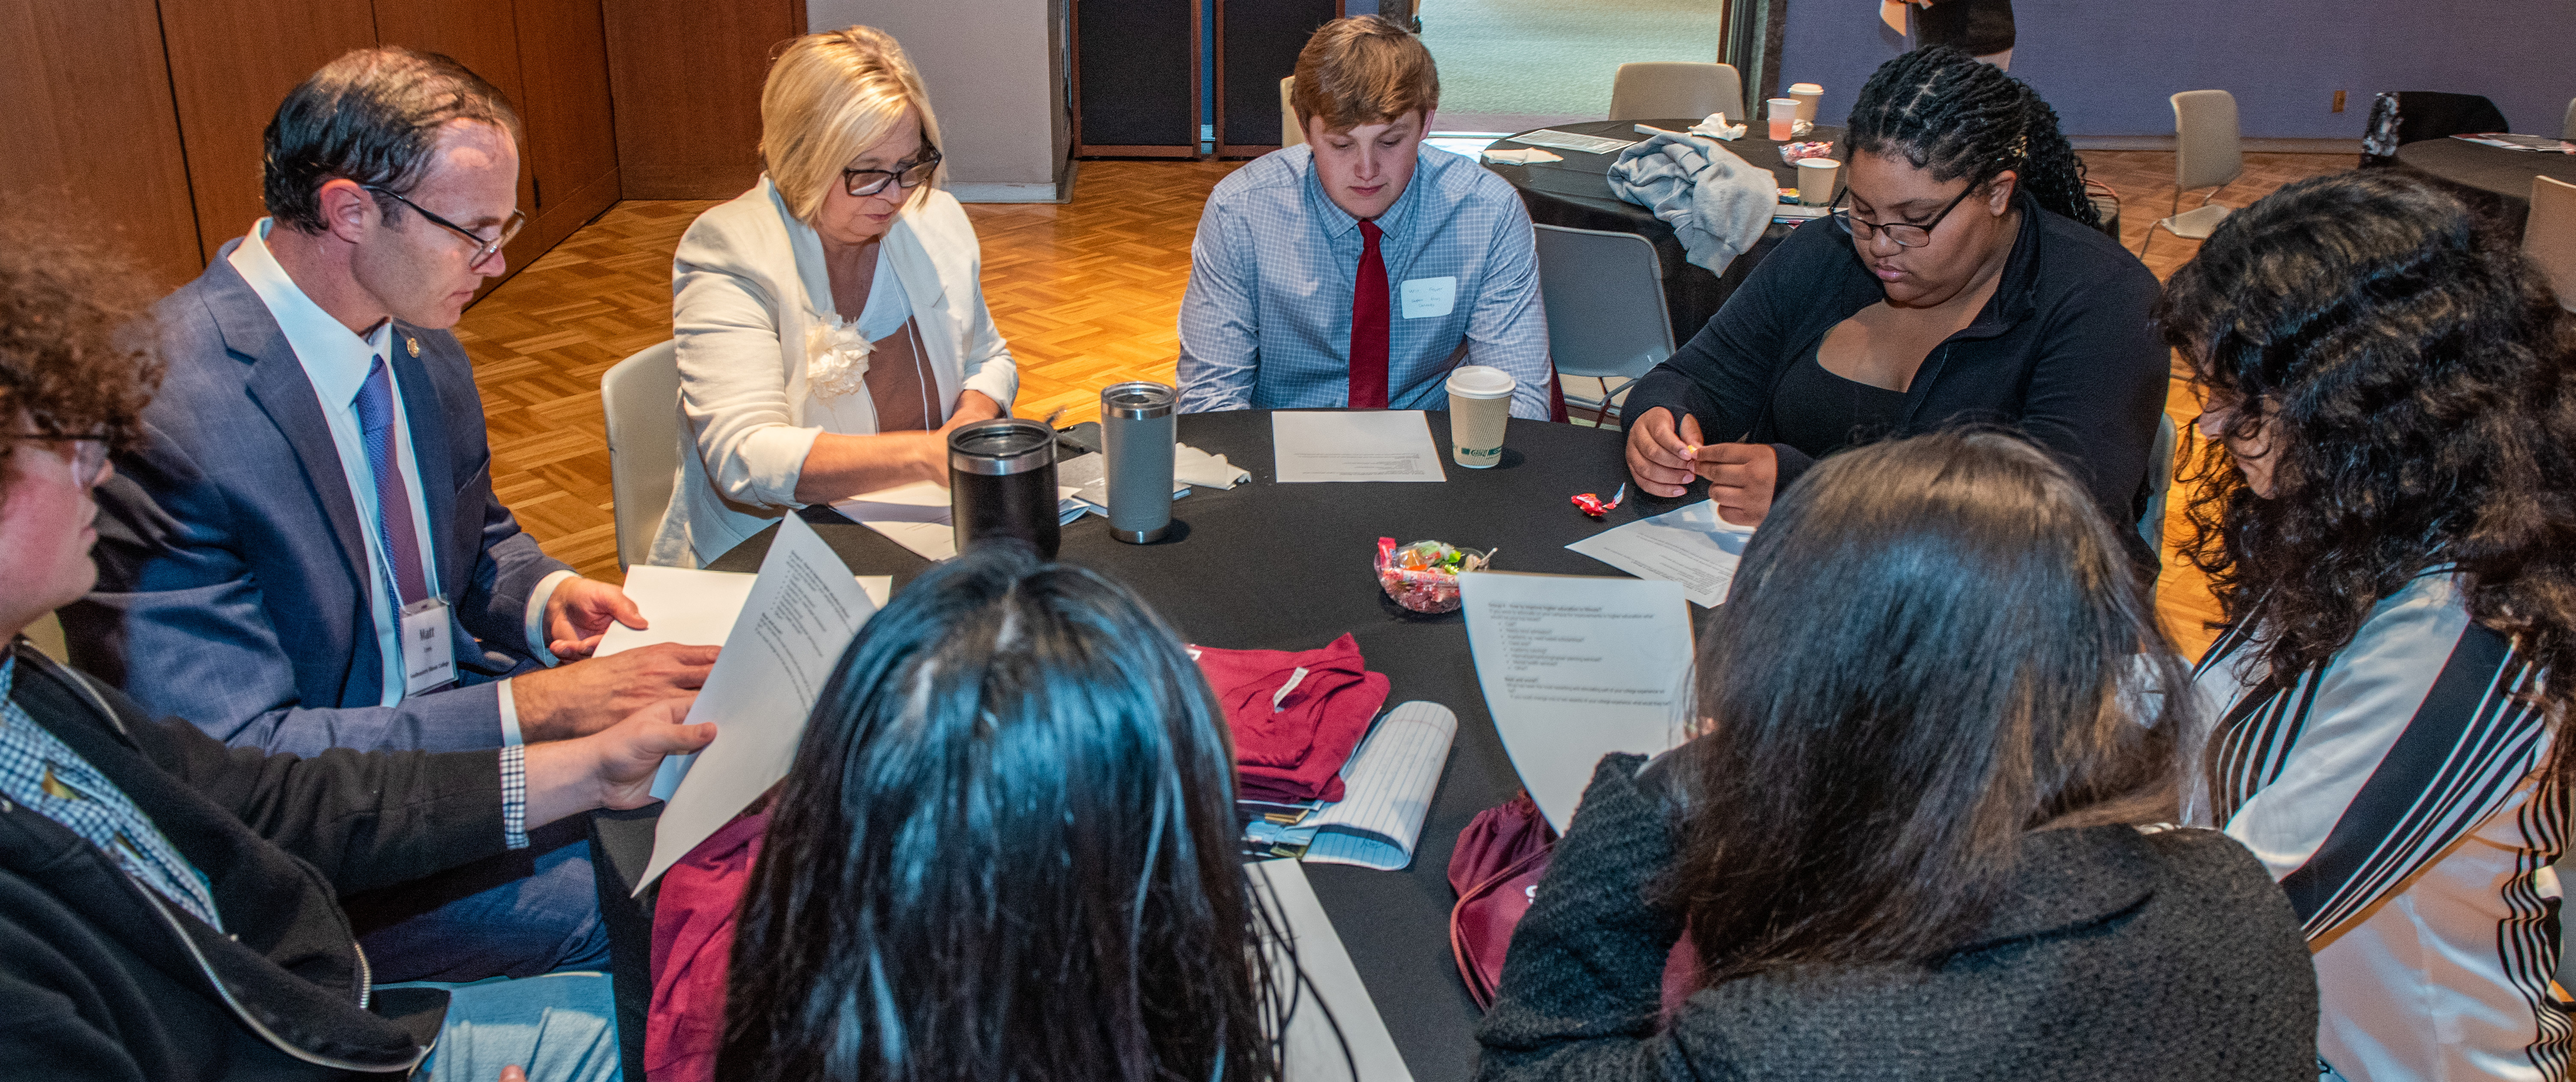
<point>231,62</point>
<point>572,134</point>
<point>687,77</point>
<point>90,128</point>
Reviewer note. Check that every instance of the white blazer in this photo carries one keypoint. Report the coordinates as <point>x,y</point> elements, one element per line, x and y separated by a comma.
<point>747,282</point>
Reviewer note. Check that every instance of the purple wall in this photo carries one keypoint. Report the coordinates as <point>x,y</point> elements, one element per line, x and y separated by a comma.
<point>2108,65</point>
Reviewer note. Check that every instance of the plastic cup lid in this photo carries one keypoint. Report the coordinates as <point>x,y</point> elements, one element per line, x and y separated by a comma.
<point>1481,381</point>
<point>1805,88</point>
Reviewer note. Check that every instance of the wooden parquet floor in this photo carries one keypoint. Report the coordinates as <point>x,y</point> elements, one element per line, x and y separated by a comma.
<point>1087,292</point>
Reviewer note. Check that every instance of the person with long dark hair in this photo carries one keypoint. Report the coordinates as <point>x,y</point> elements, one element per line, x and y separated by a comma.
<point>2387,512</point>
<point>1963,278</point>
<point>1007,850</point>
<point>1913,838</point>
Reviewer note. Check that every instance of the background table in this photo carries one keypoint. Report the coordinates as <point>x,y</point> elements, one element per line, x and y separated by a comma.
<point>1576,193</point>
<point>1286,567</point>
<point>2494,181</point>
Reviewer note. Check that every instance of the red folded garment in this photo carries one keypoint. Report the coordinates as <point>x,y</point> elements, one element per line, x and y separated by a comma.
<point>693,922</point>
<point>1290,747</point>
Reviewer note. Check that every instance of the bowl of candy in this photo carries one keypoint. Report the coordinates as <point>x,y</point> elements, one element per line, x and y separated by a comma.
<point>1423,576</point>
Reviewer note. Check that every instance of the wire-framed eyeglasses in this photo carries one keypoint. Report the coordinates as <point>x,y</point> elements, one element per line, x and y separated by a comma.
<point>911,174</point>
<point>89,452</point>
<point>1905,234</point>
<point>484,247</point>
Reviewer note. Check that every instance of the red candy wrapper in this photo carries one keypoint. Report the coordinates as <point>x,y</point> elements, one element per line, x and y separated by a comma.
<point>1594,506</point>
<point>1423,576</point>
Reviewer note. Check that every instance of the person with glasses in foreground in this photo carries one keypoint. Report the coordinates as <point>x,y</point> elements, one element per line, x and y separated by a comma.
<point>310,501</point>
<point>1961,278</point>
<point>830,321</point>
<point>1920,833</point>
<point>2386,508</point>
<point>170,905</point>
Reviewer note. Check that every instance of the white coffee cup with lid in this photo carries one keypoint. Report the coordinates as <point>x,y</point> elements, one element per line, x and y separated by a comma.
<point>1480,408</point>
<point>1806,95</point>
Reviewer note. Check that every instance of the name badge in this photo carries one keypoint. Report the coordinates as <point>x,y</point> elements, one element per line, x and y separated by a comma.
<point>429,649</point>
<point>1425,298</point>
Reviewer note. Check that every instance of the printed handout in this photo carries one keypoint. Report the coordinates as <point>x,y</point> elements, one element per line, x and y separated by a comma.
<point>1574,668</point>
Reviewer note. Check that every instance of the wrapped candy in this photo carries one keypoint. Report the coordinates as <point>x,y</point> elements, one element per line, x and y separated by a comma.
<point>1791,153</point>
<point>1594,506</point>
<point>1423,576</point>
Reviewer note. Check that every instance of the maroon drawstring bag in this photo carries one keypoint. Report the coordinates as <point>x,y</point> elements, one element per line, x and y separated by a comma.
<point>1495,869</point>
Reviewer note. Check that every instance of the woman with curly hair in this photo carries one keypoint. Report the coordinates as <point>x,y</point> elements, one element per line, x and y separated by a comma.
<point>1964,279</point>
<point>2389,520</point>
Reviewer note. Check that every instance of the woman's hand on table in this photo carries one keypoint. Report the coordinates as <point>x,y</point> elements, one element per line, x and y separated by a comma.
<point>1657,452</point>
<point>1742,478</point>
<point>840,466</point>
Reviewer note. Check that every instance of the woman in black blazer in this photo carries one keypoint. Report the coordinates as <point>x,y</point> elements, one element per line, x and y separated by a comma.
<point>1912,840</point>
<point>1962,277</point>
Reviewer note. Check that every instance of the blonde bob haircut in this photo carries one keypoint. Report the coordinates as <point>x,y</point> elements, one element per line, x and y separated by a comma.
<point>830,97</point>
<point>1363,70</point>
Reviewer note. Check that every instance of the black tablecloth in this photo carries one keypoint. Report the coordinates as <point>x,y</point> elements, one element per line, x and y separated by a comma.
<point>1576,193</point>
<point>2494,181</point>
<point>1286,567</point>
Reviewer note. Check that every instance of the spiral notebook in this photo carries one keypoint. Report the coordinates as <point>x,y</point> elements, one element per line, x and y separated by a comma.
<point>1386,793</point>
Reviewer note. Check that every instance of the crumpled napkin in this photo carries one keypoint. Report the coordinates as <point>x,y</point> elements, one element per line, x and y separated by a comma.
<point>1714,126</point>
<point>1525,156</point>
<point>1196,467</point>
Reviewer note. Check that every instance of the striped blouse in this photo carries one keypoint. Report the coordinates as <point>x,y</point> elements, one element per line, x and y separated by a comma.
<point>2393,794</point>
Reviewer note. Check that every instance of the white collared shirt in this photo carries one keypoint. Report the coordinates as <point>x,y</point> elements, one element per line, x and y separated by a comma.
<point>336,362</point>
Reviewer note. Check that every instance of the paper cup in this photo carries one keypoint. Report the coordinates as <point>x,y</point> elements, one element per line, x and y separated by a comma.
<point>1806,95</point>
<point>1816,180</point>
<point>1480,405</point>
<point>1784,118</point>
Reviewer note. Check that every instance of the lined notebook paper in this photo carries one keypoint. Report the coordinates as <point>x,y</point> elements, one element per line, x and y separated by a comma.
<point>1566,140</point>
<point>1387,790</point>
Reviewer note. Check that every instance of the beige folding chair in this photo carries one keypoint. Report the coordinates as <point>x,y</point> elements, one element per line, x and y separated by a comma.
<point>1604,295</point>
<point>1668,89</point>
<point>1291,133</point>
<point>2549,236</point>
<point>641,397</point>
<point>2567,127</point>
<point>47,634</point>
<point>2160,478</point>
<point>2207,154</point>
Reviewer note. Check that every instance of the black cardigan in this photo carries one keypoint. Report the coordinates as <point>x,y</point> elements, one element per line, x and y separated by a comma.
<point>102,979</point>
<point>2062,352</point>
<point>2169,957</point>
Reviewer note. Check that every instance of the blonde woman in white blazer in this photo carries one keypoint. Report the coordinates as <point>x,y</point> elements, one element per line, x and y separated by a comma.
<point>830,321</point>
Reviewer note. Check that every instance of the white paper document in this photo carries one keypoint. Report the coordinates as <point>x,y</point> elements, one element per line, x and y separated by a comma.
<point>696,608</point>
<point>1357,445</point>
<point>1691,546</point>
<point>1574,668</point>
<point>801,614</point>
<point>1348,1044</point>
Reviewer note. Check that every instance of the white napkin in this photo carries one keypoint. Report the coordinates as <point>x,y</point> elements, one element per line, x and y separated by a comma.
<point>1714,126</point>
<point>1197,467</point>
<point>1528,156</point>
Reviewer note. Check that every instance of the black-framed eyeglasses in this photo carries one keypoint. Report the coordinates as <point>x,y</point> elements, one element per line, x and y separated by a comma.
<point>484,247</point>
<point>911,174</point>
<point>89,453</point>
<point>1905,234</point>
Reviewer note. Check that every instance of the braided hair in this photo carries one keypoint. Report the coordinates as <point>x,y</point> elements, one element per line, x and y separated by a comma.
<point>1956,116</point>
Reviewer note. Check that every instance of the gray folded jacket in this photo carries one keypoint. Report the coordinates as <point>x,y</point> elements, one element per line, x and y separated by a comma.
<point>1718,204</point>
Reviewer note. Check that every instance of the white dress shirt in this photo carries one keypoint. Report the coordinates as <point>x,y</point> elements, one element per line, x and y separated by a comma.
<point>336,362</point>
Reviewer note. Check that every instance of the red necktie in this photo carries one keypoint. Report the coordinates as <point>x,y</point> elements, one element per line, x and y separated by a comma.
<point>1368,326</point>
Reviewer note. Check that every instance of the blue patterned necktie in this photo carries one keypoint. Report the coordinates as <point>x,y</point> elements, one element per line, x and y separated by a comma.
<point>394,524</point>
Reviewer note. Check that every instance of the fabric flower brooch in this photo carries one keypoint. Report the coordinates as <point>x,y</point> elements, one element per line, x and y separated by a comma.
<point>836,356</point>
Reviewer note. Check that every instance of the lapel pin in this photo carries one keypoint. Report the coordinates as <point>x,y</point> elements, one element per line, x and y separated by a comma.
<point>413,344</point>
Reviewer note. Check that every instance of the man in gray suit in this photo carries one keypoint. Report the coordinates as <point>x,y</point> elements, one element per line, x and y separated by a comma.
<point>306,552</point>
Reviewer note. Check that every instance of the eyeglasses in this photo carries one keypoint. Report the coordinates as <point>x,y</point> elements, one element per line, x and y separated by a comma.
<point>1905,234</point>
<point>911,174</point>
<point>89,453</point>
<point>484,249</point>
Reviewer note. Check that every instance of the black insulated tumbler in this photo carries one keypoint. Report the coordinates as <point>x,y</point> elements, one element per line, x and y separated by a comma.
<point>1001,483</point>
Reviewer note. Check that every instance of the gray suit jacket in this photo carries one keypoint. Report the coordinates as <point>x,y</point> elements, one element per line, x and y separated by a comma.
<point>233,576</point>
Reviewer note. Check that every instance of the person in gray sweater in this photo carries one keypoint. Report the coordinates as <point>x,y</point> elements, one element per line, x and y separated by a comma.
<point>1914,837</point>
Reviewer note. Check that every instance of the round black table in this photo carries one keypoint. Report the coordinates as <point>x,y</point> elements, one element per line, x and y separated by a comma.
<point>1575,193</point>
<point>2494,181</point>
<point>1286,567</point>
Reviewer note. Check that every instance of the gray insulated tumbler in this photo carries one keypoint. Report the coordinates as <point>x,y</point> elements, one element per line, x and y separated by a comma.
<point>1136,437</point>
<point>1001,483</point>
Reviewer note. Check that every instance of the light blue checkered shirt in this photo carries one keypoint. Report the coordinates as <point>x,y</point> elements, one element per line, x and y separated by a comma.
<point>40,771</point>
<point>1267,320</point>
